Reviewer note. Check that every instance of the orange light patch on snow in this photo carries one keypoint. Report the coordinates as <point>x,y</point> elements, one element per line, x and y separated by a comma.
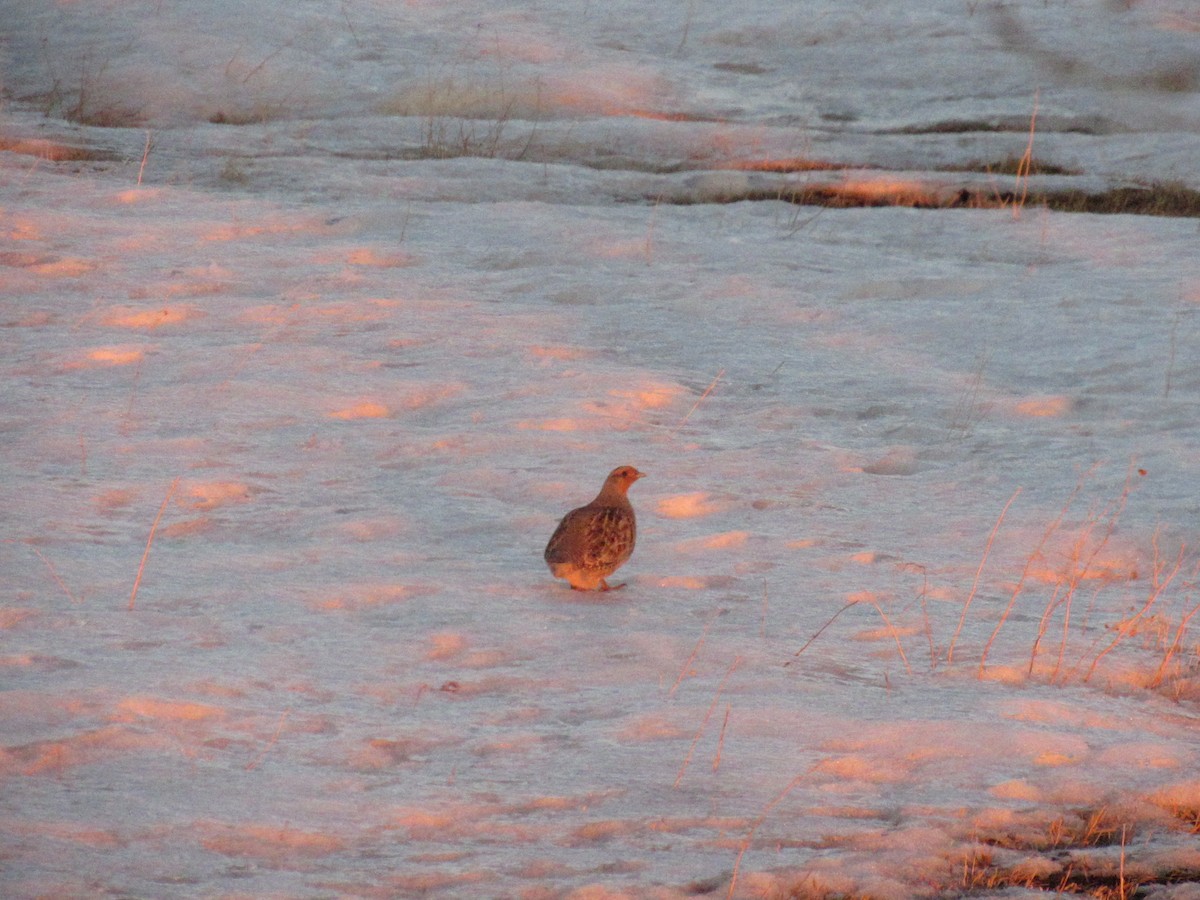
<point>1053,758</point>
<point>723,541</point>
<point>425,395</point>
<point>864,558</point>
<point>270,842</point>
<point>55,757</point>
<point>688,506</point>
<point>365,596</point>
<point>239,232</point>
<point>609,91</point>
<point>139,195</point>
<point>188,527</point>
<point>896,192</point>
<point>803,544</point>
<point>1044,407</point>
<point>563,354</point>
<point>11,618</point>
<point>446,645</point>
<point>860,768</point>
<point>884,633</point>
<point>118,498</point>
<point>422,822</point>
<point>371,258</point>
<point>150,708</point>
<point>367,409</point>
<point>683,582</point>
<point>556,425</point>
<point>655,396</point>
<point>651,728</point>
<point>212,494</point>
<point>116,356</point>
<point>64,268</point>
<point>150,319</point>
<point>1016,790</point>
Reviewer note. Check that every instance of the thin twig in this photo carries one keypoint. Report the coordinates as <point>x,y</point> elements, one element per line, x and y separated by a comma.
<point>818,633</point>
<point>721,740</point>
<point>145,156</point>
<point>1025,166</point>
<point>895,634</point>
<point>699,643</point>
<point>49,565</point>
<point>253,764</point>
<point>762,627</point>
<point>150,540</point>
<point>1128,625</point>
<point>708,390</point>
<point>699,731</point>
<point>1036,554</point>
<point>1175,644</point>
<point>978,573</point>
<point>737,863</point>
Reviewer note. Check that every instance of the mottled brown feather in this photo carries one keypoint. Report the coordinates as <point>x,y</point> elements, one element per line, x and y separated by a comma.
<point>595,540</point>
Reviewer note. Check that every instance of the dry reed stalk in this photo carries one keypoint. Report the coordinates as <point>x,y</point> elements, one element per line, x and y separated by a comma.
<point>1128,625</point>
<point>695,650</point>
<point>818,633</point>
<point>253,764</point>
<point>721,740</point>
<point>150,540</point>
<point>978,573</point>
<point>925,621</point>
<point>1025,166</point>
<point>895,635</point>
<point>1157,680</point>
<point>49,565</point>
<point>737,863</point>
<point>708,390</point>
<point>145,156</point>
<point>1036,554</point>
<point>1077,574</point>
<point>762,625</point>
<point>699,731</point>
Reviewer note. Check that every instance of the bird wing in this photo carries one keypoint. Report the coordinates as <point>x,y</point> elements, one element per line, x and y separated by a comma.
<point>593,537</point>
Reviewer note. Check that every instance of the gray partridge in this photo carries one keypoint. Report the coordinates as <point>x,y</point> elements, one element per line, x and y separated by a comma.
<point>593,541</point>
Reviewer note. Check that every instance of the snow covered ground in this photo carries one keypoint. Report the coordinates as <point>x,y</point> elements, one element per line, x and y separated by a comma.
<point>315,319</point>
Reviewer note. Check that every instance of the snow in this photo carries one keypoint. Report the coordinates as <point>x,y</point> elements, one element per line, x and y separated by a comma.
<point>292,404</point>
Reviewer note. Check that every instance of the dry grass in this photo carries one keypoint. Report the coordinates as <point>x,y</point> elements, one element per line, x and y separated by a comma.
<point>1080,611</point>
<point>1173,199</point>
<point>1069,854</point>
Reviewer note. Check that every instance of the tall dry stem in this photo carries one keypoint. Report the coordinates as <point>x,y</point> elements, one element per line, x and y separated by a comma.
<point>1035,555</point>
<point>1127,627</point>
<point>978,573</point>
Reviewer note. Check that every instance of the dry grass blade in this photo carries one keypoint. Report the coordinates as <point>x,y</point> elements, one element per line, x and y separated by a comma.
<point>695,650</point>
<point>1021,191</point>
<point>1128,626</point>
<point>695,406</point>
<point>737,660</point>
<point>49,565</point>
<point>737,864</point>
<point>1036,554</point>
<point>150,540</point>
<point>978,573</point>
<point>1157,678</point>
<point>254,763</point>
<point>818,633</point>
